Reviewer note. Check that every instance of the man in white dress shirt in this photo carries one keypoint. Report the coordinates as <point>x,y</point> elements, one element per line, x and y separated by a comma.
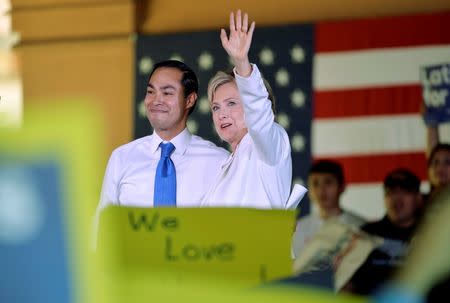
<point>130,175</point>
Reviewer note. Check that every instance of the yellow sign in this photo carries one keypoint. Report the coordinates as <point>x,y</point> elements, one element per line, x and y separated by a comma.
<point>201,255</point>
<point>241,245</point>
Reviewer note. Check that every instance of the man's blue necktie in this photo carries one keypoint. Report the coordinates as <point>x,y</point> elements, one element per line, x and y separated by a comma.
<point>165,179</point>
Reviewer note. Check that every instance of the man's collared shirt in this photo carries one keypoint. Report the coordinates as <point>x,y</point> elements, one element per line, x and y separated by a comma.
<point>130,175</point>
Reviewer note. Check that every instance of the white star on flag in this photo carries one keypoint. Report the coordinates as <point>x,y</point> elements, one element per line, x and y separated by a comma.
<point>142,110</point>
<point>283,120</point>
<point>282,77</point>
<point>298,142</point>
<point>203,105</point>
<point>145,65</point>
<point>297,98</point>
<point>297,54</point>
<point>176,57</point>
<point>299,181</point>
<point>205,61</point>
<point>266,56</point>
<point>192,125</point>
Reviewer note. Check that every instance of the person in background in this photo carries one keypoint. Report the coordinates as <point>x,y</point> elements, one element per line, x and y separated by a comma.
<point>425,276</point>
<point>437,154</point>
<point>438,169</point>
<point>326,183</point>
<point>403,202</point>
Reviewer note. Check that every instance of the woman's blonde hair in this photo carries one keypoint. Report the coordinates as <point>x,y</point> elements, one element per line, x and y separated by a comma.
<point>221,78</point>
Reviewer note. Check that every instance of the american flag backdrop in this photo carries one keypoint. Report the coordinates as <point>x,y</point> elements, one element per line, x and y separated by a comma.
<point>346,90</point>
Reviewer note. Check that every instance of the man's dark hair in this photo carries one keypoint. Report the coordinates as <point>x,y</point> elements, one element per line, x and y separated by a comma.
<point>328,167</point>
<point>439,147</point>
<point>402,178</point>
<point>189,80</point>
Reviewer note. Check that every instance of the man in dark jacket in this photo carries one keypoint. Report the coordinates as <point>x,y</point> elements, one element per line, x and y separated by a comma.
<point>403,204</point>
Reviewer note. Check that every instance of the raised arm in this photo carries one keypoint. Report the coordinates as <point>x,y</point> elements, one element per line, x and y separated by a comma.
<point>271,140</point>
<point>432,138</point>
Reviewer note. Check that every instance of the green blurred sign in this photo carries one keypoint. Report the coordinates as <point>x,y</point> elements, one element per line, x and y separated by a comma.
<point>246,246</point>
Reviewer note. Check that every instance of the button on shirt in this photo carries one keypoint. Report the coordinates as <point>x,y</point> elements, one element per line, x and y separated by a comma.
<point>130,175</point>
<point>258,174</point>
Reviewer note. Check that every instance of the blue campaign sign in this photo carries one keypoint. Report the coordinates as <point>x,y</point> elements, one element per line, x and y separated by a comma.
<point>33,248</point>
<point>436,93</point>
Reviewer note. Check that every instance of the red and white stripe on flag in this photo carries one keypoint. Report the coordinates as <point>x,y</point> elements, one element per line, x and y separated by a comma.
<point>367,99</point>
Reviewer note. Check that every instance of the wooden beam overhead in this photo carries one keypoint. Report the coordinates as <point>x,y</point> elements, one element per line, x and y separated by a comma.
<point>74,21</point>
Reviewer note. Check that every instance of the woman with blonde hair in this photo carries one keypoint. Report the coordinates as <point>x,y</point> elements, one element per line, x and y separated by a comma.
<point>258,172</point>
